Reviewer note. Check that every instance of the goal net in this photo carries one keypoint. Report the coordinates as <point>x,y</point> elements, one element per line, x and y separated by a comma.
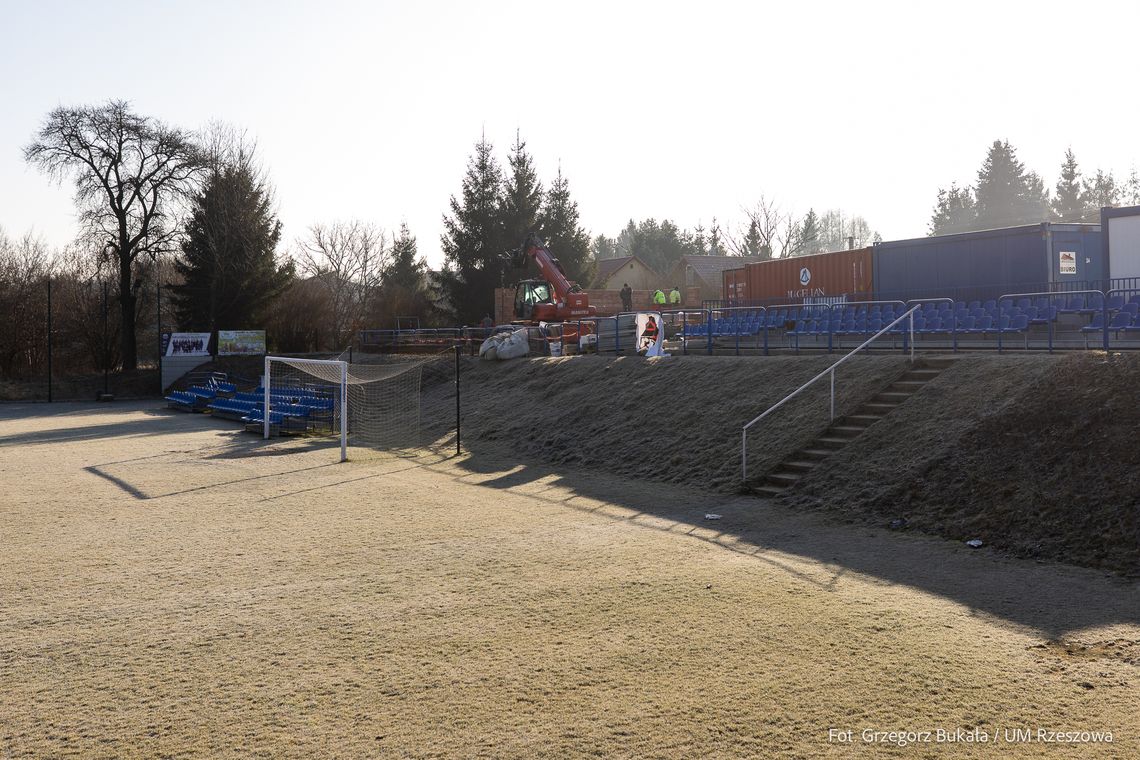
<point>368,407</point>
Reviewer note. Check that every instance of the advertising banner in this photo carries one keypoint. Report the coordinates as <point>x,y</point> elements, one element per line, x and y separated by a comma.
<point>186,344</point>
<point>241,342</point>
<point>650,334</point>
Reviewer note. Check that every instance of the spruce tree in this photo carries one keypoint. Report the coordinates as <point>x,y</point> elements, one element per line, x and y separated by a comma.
<point>1068,204</point>
<point>558,222</point>
<point>522,195</point>
<point>955,211</point>
<point>1131,194</point>
<point>1007,194</point>
<point>404,291</point>
<point>473,243</point>
<point>1099,192</point>
<point>753,243</point>
<point>809,235</point>
<point>228,262</point>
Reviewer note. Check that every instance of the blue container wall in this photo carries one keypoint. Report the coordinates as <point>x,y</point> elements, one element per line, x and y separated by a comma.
<point>968,265</point>
<point>1086,244</point>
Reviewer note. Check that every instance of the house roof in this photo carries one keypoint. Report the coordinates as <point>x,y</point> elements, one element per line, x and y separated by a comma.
<point>709,268</point>
<point>607,268</point>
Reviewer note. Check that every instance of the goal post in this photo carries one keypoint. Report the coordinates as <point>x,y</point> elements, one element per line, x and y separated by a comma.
<point>327,370</point>
<point>372,406</point>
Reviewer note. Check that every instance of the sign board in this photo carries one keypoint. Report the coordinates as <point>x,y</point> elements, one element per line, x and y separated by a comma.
<point>1068,263</point>
<point>241,342</point>
<point>650,333</point>
<point>186,344</point>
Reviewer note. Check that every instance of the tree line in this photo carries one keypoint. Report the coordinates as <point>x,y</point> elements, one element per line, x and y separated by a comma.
<point>1007,194</point>
<point>192,215</point>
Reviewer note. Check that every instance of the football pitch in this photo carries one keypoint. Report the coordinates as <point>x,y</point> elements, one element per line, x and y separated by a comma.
<point>171,587</point>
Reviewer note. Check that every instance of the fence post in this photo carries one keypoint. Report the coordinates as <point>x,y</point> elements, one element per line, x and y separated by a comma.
<point>708,330</point>
<point>49,341</point>
<point>911,336</point>
<point>617,333</point>
<point>833,395</point>
<point>458,449</point>
<point>106,345</point>
<point>1104,308</point>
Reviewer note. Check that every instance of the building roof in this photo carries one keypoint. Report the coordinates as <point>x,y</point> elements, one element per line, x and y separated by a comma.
<point>607,268</point>
<point>709,268</point>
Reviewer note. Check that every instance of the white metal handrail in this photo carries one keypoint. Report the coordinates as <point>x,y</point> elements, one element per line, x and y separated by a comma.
<point>830,370</point>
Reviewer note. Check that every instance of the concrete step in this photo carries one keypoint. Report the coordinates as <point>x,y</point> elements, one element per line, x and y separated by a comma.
<point>831,442</point>
<point>845,431</point>
<point>862,420</point>
<point>783,478</point>
<point>922,375</point>
<point>769,490</point>
<point>896,396</point>
<point>909,386</point>
<point>816,454</point>
<point>797,465</point>
<point>876,407</point>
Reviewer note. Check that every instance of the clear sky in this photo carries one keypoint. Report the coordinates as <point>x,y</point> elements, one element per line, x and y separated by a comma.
<point>683,110</point>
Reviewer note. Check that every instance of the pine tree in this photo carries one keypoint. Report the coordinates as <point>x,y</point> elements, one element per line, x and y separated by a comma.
<point>1068,203</point>
<point>714,239</point>
<point>473,242</point>
<point>809,235</point>
<point>522,195</point>
<point>228,260</point>
<point>1007,194</point>
<point>1099,192</point>
<point>558,221</point>
<point>955,211</point>
<point>404,291</point>
<point>753,243</point>
<point>1131,194</point>
<point>699,241</point>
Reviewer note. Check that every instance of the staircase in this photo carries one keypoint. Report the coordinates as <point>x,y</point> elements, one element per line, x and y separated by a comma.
<point>846,429</point>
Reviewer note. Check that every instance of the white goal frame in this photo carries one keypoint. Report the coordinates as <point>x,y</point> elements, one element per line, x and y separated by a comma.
<point>343,374</point>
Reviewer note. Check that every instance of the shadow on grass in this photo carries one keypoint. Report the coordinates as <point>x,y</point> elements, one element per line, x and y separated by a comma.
<point>1053,599</point>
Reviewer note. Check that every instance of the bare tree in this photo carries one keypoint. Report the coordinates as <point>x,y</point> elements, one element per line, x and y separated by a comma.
<point>770,231</point>
<point>24,269</point>
<point>349,260</point>
<point>130,173</point>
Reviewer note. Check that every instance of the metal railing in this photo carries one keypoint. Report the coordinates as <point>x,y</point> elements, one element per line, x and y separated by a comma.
<point>829,371</point>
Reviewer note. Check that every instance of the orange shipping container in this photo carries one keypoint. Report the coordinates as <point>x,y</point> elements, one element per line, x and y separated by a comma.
<point>819,276</point>
<point>735,284</point>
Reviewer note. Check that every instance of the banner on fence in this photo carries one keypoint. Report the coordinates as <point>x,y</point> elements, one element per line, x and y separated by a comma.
<point>241,342</point>
<point>650,333</point>
<point>186,344</point>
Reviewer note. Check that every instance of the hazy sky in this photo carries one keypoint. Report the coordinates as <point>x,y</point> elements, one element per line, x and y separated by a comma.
<point>680,110</point>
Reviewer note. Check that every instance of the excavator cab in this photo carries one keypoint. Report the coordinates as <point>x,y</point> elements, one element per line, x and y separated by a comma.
<point>530,293</point>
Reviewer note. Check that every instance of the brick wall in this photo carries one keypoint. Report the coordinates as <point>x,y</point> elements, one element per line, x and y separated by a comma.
<point>607,302</point>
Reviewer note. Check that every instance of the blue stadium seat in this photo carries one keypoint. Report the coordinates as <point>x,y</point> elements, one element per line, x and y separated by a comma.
<point>1044,315</point>
<point>1094,304</point>
<point>1018,324</point>
<point>1115,302</point>
<point>1096,324</point>
<point>983,324</point>
<point>1120,320</point>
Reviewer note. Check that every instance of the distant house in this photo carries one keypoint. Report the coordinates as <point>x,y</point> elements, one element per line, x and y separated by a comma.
<point>701,278</point>
<point>614,273</point>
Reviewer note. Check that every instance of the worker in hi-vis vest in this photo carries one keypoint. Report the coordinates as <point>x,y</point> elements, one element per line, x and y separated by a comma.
<point>659,297</point>
<point>675,295</point>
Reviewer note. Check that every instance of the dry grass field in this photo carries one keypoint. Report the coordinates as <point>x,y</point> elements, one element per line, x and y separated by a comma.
<point>172,588</point>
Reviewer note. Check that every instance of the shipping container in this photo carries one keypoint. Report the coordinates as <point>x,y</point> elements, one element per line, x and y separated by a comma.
<point>735,285</point>
<point>819,278</point>
<point>988,263</point>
